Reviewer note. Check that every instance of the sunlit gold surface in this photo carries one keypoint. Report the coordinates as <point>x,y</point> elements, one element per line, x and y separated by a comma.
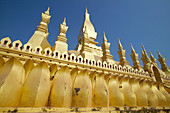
<point>38,78</point>
<point>36,88</point>
<point>12,77</point>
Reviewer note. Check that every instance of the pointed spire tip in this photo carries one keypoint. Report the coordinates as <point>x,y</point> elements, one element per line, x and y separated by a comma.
<point>132,49</point>
<point>86,10</point>
<point>120,45</point>
<point>64,22</point>
<point>48,10</point>
<point>159,54</point>
<point>104,37</point>
<point>131,45</point>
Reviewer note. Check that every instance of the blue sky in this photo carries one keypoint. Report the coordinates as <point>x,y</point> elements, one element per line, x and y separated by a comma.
<point>138,22</point>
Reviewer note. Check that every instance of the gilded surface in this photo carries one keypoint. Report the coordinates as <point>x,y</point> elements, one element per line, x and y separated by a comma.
<point>37,78</point>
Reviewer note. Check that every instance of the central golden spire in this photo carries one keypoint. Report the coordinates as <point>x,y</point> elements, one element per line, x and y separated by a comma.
<point>89,26</point>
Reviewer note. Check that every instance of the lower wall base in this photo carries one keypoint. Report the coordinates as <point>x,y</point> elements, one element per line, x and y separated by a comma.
<point>88,110</point>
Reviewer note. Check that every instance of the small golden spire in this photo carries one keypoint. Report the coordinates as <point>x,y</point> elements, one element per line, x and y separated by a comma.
<point>64,22</point>
<point>134,56</point>
<point>104,37</point>
<point>159,55</point>
<point>152,58</point>
<point>120,45</point>
<point>145,54</point>
<point>122,57</point>
<point>106,51</point>
<point>48,10</point>
<point>164,67</point>
<point>132,49</point>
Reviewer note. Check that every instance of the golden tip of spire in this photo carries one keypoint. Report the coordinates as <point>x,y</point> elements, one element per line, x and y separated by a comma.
<point>143,48</point>
<point>159,54</point>
<point>120,45</point>
<point>150,53</point>
<point>131,45</point>
<point>104,37</point>
<point>119,41</point>
<point>132,49</point>
<point>64,22</point>
<point>86,10</point>
<point>48,10</point>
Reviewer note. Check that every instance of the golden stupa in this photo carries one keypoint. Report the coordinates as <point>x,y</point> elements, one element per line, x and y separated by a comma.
<point>36,77</point>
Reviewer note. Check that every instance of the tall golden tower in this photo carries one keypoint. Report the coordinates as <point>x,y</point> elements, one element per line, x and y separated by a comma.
<point>61,42</point>
<point>40,36</point>
<point>91,36</point>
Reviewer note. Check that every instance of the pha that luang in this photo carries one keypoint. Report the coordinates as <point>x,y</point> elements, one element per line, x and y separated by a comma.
<point>35,77</point>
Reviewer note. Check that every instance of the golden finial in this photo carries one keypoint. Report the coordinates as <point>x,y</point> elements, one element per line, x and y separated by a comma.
<point>86,10</point>
<point>120,45</point>
<point>104,37</point>
<point>159,55</point>
<point>132,49</point>
<point>64,22</point>
<point>164,67</point>
<point>145,54</point>
<point>152,58</point>
<point>47,12</point>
